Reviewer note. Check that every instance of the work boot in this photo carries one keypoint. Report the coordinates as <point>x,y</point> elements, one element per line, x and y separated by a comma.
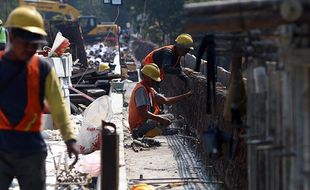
<point>151,142</point>
<point>136,134</point>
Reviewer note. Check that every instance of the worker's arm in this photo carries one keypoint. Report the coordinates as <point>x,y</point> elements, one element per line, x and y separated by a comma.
<point>58,108</point>
<point>171,100</point>
<point>60,113</point>
<point>142,110</point>
<point>142,104</point>
<point>183,77</point>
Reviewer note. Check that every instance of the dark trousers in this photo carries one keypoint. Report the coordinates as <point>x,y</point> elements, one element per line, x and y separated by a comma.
<point>29,170</point>
<point>2,46</point>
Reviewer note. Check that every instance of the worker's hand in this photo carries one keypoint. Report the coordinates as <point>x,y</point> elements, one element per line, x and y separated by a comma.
<point>72,148</point>
<point>165,121</point>
<point>189,93</point>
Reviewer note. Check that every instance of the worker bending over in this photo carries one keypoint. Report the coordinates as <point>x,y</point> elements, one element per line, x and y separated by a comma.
<point>167,58</point>
<point>144,118</point>
<point>25,81</point>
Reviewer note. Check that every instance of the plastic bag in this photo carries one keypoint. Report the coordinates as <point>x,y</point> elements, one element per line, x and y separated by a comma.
<point>88,138</point>
<point>90,164</point>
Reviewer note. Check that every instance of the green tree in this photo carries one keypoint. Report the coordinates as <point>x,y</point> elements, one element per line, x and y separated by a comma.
<point>165,19</point>
<point>156,19</point>
<point>103,12</point>
<point>6,7</point>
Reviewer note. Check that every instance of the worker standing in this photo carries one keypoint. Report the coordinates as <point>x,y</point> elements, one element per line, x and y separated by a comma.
<point>25,81</point>
<point>167,58</point>
<point>143,121</point>
<point>3,36</point>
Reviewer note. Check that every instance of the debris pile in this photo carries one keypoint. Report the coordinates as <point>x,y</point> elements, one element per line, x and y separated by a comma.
<point>94,81</point>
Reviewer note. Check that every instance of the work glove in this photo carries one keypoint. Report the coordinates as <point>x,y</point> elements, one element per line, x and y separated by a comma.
<point>72,148</point>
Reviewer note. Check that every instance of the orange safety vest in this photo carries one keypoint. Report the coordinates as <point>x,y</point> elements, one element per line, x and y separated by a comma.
<point>32,115</point>
<point>134,119</point>
<point>149,59</point>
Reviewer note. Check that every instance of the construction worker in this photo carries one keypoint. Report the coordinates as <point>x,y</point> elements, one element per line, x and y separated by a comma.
<point>25,81</point>
<point>167,58</point>
<point>3,36</point>
<point>143,121</point>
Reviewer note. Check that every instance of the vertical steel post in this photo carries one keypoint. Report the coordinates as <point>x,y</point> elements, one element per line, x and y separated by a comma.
<point>109,157</point>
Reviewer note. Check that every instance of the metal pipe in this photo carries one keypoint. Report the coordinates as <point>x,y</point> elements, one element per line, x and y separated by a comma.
<point>165,178</point>
<point>182,181</point>
<point>82,94</point>
<point>189,137</point>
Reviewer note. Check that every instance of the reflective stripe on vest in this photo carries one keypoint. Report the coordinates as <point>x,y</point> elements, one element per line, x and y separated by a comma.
<point>134,119</point>
<point>2,35</point>
<point>33,112</point>
<point>149,59</point>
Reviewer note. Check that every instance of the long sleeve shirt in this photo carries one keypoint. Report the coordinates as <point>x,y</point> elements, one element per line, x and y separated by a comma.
<point>13,100</point>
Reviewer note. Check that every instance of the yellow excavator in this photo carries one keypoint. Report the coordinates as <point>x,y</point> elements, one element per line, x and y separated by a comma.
<point>90,29</point>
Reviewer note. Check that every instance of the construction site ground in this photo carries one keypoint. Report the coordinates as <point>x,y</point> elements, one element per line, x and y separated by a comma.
<point>173,165</point>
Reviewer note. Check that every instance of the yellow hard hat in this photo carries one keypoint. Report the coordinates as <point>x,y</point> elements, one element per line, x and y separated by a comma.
<point>152,71</point>
<point>103,67</point>
<point>0,22</point>
<point>26,18</point>
<point>142,186</point>
<point>185,40</point>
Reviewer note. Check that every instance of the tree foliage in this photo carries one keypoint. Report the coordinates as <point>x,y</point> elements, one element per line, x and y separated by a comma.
<point>157,20</point>
<point>6,7</point>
